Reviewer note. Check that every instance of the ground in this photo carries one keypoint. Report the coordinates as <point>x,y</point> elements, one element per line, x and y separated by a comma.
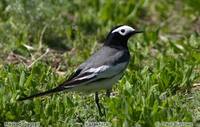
<point>42,42</point>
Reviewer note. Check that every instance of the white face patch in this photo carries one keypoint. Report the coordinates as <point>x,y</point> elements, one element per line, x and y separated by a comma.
<point>124,30</point>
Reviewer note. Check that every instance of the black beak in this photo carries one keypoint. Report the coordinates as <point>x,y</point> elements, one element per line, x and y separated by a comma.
<point>138,31</point>
<point>134,32</point>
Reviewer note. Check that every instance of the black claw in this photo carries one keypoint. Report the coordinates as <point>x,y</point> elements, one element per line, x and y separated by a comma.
<point>108,93</point>
<point>98,104</point>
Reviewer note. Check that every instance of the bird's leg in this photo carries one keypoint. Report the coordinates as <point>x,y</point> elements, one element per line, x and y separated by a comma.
<point>97,102</point>
<point>108,91</point>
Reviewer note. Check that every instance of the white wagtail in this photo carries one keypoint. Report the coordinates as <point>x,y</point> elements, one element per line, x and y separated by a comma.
<point>103,69</point>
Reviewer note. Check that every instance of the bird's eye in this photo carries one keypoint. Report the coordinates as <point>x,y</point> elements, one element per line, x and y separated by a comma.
<point>122,30</point>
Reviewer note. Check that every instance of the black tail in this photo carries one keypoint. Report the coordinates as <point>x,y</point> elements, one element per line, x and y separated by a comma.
<point>57,89</point>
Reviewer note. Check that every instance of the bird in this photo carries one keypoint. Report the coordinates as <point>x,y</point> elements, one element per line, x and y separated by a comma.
<point>102,70</point>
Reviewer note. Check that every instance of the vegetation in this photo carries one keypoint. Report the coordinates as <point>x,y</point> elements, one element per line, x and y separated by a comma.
<point>42,42</point>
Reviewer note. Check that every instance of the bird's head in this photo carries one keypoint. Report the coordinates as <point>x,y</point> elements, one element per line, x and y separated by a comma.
<point>119,35</point>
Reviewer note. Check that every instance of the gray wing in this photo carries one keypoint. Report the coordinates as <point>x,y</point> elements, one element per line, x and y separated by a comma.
<point>106,56</point>
<point>98,66</point>
<point>106,63</point>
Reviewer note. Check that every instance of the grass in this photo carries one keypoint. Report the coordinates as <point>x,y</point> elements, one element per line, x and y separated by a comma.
<point>58,35</point>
